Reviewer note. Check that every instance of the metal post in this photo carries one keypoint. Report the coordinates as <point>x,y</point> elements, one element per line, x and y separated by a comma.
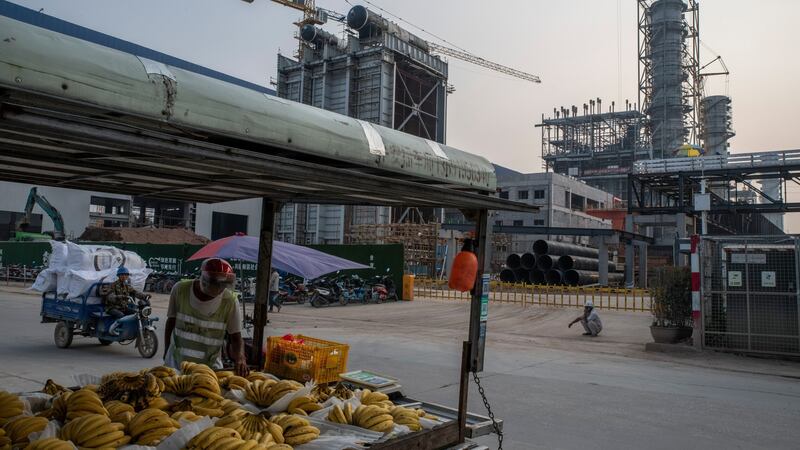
<point>602,268</point>
<point>642,265</point>
<point>629,256</point>
<point>797,279</point>
<point>263,270</point>
<point>477,324</point>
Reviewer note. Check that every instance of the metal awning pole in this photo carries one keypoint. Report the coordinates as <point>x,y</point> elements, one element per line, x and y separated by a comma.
<point>473,349</point>
<point>263,270</point>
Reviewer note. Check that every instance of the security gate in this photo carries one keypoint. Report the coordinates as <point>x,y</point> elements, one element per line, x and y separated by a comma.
<point>750,293</point>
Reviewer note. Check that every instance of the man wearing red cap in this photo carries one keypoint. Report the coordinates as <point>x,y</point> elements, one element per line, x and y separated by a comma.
<point>200,312</point>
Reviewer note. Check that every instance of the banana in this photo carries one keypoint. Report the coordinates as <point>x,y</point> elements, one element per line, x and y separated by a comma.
<point>253,376</point>
<point>154,437</point>
<point>104,440</point>
<point>158,403</point>
<point>237,382</point>
<point>375,420</point>
<point>10,406</point>
<point>20,427</point>
<point>337,415</point>
<point>143,416</point>
<point>186,415</point>
<point>303,438</point>
<point>276,431</point>
<point>348,413</point>
<point>208,393</point>
<point>280,447</point>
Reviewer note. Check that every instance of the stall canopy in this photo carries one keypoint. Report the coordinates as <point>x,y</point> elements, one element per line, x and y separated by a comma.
<point>295,259</point>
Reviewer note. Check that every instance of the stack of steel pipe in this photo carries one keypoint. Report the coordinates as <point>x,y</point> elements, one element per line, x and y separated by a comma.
<point>564,263</point>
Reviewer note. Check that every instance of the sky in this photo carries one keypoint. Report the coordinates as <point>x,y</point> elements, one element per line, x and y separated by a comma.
<point>582,49</point>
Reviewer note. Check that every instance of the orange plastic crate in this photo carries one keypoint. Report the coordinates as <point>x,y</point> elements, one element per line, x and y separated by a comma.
<point>314,359</point>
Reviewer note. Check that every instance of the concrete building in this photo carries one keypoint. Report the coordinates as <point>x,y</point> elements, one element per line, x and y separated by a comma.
<point>563,201</point>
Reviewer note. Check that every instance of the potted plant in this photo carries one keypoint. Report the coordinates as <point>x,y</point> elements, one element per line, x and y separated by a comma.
<point>671,305</point>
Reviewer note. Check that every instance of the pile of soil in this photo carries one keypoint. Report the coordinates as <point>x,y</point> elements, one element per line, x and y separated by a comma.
<point>145,235</point>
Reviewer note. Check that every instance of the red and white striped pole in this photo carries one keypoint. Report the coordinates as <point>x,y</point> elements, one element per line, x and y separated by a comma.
<point>697,337</point>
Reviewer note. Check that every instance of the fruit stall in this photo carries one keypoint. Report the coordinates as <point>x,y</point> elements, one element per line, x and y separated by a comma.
<point>80,115</point>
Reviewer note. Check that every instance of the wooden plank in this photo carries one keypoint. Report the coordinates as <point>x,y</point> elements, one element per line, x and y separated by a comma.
<point>440,437</point>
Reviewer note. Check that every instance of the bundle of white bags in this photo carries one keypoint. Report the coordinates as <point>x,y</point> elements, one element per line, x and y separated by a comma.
<point>73,268</point>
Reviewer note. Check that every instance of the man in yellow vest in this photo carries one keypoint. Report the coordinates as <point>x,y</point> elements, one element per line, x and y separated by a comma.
<point>200,313</point>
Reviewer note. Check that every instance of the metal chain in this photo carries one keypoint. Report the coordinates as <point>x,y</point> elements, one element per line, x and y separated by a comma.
<point>488,407</point>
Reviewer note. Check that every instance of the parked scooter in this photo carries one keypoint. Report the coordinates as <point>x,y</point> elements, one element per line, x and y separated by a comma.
<point>293,291</point>
<point>383,288</point>
<point>326,292</point>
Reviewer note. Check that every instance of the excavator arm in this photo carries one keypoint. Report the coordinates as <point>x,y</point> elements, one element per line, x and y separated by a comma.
<point>35,199</point>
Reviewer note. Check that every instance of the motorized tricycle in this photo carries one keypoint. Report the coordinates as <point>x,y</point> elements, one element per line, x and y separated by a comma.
<point>80,316</point>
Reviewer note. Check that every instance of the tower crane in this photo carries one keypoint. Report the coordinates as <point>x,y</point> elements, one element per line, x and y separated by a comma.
<point>317,16</point>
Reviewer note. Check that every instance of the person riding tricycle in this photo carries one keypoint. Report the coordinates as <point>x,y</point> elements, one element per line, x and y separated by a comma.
<point>123,316</point>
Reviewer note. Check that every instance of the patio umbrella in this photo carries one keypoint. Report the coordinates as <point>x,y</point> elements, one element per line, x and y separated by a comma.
<point>295,259</point>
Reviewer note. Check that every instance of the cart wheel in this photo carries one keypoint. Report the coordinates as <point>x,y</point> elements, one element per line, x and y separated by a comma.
<point>342,300</point>
<point>63,334</point>
<point>315,301</point>
<point>104,341</point>
<point>147,343</point>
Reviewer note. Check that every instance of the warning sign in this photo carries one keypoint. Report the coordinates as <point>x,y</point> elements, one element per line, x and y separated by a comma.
<point>767,279</point>
<point>735,278</point>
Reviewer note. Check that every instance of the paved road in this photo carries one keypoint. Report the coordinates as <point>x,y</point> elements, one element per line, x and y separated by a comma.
<point>554,391</point>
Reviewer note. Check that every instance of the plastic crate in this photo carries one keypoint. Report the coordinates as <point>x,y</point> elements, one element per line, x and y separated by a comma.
<point>314,359</point>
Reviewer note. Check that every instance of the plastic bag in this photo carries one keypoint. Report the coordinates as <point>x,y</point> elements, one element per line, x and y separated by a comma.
<point>84,379</point>
<point>35,402</point>
<point>58,256</point>
<point>188,430</point>
<point>46,281</point>
<point>50,431</point>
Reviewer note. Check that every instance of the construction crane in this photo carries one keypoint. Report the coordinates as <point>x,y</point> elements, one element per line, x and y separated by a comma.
<point>317,16</point>
<point>35,199</point>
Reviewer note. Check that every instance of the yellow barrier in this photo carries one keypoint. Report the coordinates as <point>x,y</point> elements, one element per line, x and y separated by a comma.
<point>541,295</point>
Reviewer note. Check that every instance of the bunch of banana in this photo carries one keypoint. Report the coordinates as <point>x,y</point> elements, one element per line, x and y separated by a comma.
<point>5,441</point>
<point>94,431</point>
<point>256,376</point>
<point>190,368</point>
<point>206,407</point>
<point>296,430</point>
<point>52,388</point>
<point>406,416</point>
<point>179,384</point>
<point>237,382</point>
<point>159,403</point>
<point>150,426</point>
<point>58,410</point>
<point>421,413</point>
<point>342,392</point>
<point>206,386</point>
<point>373,417</point>
<point>230,407</point>
<point>303,405</point>
<point>259,391</point>
<point>20,427</point>
<point>134,388</point>
<point>10,406</point>
<point>376,398</point>
<point>84,402</point>
<point>162,371</point>
<point>50,444</point>
<point>186,415</point>
<point>254,427</point>
<point>120,412</point>
<point>217,438</point>
<point>281,388</point>
<point>321,393</point>
<point>343,415</point>
<point>223,376</point>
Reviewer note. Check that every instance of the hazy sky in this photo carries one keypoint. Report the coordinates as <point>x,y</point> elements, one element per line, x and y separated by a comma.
<point>582,49</point>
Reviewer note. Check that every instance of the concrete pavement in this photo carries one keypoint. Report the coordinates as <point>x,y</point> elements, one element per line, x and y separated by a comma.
<point>553,388</point>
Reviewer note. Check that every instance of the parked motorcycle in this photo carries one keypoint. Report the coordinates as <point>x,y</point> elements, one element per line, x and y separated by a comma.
<point>326,292</point>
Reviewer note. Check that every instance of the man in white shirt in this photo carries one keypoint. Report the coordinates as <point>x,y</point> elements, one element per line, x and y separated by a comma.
<point>201,312</point>
<point>589,319</point>
<point>274,287</point>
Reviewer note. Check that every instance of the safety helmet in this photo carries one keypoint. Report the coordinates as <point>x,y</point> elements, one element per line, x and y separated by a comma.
<point>123,271</point>
<point>216,275</point>
<point>589,304</point>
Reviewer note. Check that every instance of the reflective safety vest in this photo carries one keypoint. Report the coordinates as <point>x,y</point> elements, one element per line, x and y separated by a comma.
<point>199,337</point>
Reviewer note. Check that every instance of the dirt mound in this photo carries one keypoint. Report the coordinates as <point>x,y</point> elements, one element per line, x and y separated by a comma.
<point>143,236</point>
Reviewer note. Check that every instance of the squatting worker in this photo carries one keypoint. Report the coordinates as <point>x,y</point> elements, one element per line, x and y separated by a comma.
<point>200,312</point>
<point>589,319</point>
<point>117,301</point>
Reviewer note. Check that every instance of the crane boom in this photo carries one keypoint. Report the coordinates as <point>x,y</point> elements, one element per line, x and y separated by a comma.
<point>478,61</point>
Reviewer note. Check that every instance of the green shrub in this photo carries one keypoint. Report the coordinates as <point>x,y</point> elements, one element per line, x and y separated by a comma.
<point>671,295</point>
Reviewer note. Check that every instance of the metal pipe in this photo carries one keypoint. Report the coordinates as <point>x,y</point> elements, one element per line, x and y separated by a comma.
<point>567,262</point>
<point>521,275</point>
<point>554,276</point>
<point>544,262</point>
<point>507,276</point>
<point>514,261</point>
<point>583,277</point>
<point>528,261</point>
<point>537,276</point>
<point>543,247</point>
